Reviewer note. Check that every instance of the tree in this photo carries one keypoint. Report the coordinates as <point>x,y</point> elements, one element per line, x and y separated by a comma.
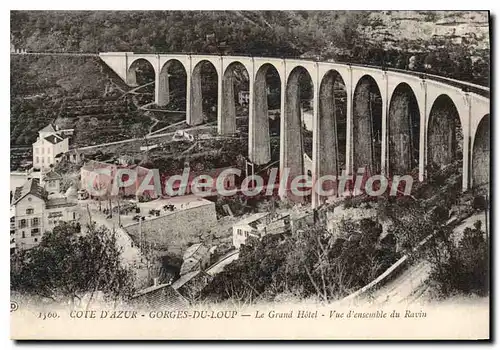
<point>461,267</point>
<point>67,266</point>
<point>312,262</point>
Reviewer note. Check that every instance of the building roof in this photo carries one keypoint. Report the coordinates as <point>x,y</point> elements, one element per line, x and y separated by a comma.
<point>54,139</point>
<point>185,279</point>
<point>32,186</point>
<point>92,165</point>
<point>252,219</point>
<point>161,296</point>
<point>225,260</point>
<point>48,128</point>
<point>52,175</point>
<point>66,132</point>
<point>192,284</point>
<point>194,250</point>
<point>192,257</point>
<point>59,203</point>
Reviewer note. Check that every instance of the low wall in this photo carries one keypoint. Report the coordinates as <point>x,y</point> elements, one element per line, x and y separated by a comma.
<point>392,272</point>
<point>175,231</point>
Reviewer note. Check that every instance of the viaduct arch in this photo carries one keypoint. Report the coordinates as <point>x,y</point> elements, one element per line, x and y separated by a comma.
<point>332,126</point>
<point>403,130</point>
<point>367,126</point>
<point>481,154</point>
<point>444,133</point>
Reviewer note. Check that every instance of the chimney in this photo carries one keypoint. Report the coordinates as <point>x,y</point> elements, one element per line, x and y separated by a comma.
<point>155,281</point>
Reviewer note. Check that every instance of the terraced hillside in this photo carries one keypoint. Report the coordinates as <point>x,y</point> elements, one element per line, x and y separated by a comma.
<point>73,92</point>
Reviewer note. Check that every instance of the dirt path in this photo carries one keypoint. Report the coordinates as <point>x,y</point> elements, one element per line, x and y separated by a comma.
<point>166,127</point>
<point>130,253</point>
<point>155,121</point>
<point>199,127</point>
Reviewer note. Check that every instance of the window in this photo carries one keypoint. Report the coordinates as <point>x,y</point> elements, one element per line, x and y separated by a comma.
<point>36,150</point>
<point>29,211</point>
<point>35,231</point>
<point>56,214</point>
<point>48,150</point>
<point>35,240</point>
<point>37,160</point>
<point>22,223</point>
<point>43,158</point>
<point>35,222</point>
<point>74,216</point>
<point>23,235</point>
<point>43,149</point>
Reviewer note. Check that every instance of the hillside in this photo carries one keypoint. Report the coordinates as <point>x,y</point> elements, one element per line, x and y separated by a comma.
<point>70,91</point>
<point>328,34</point>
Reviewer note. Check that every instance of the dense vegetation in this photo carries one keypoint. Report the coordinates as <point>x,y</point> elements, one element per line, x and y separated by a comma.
<point>77,92</point>
<point>339,35</point>
<point>68,265</point>
<point>461,267</point>
<point>314,262</point>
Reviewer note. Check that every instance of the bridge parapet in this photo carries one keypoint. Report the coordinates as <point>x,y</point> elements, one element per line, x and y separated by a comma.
<point>308,64</point>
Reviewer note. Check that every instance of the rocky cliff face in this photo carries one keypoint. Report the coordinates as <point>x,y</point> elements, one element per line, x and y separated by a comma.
<point>396,29</point>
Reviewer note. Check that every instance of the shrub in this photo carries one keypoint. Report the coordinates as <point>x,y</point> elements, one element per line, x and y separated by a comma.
<point>479,203</point>
<point>311,263</point>
<point>461,268</point>
<point>66,266</point>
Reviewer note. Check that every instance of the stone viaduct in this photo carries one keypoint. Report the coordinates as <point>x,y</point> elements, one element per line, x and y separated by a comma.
<point>419,113</point>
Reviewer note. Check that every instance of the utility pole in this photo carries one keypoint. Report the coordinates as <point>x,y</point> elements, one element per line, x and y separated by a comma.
<point>119,210</point>
<point>140,234</point>
<point>90,214</point>
<point>119,216</point>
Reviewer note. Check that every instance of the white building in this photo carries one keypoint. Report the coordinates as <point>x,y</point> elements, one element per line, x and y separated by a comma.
<point>50,145</point>
<point>259,225</point>
<point>34,214</point>
<point>246,228</point>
